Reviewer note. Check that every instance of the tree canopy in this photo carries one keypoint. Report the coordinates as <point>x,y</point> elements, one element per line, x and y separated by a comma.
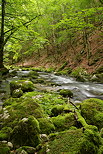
<point>30,26</point>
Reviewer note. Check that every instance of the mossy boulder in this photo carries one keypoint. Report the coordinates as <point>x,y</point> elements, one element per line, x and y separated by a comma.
<point>75,142</point>
<point>62,123</point>
<point>26,133</point>
<point>66,93</point>
<point>80,74</point>
<point>17,93</point>
<point>27,149</point>
<point>56,110</point>
<point>5,133</point>
<point>13,73</point>
<point>46,126</point>
<point>33,74</point>
<point>24,85</point>
<point>18,108</point>
<point>92,111</point>
<point>4,149</point>
<point>97,78</point>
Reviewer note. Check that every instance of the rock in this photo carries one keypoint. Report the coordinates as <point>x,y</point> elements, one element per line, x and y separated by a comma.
<point>66,93</point>
<point>92,111</point>
<point>4,149</point>
<point>29,150</point>
<point>17,93</point>
<point>33,74</point>
<point>21,151</point>
<point>46,126</point>
<point>10,145</point>
<point>26,133</point>
<point>24,85</point>
<point>44,137</point>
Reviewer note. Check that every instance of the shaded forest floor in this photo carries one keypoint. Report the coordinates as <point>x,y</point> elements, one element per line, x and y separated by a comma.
<point>75,55</point>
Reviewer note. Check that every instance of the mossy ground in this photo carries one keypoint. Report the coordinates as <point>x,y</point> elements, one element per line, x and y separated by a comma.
<point>70,130</point>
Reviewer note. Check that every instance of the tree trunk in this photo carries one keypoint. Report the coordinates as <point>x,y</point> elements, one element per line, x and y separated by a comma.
<point>2,34</point>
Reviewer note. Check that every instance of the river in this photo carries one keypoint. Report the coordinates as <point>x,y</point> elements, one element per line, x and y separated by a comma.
<point>81,90</point>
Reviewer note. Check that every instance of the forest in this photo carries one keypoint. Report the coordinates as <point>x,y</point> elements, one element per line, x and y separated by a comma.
<point>51,77</point>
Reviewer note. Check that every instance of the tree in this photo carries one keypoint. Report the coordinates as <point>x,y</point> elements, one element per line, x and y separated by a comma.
<point>15,15</point>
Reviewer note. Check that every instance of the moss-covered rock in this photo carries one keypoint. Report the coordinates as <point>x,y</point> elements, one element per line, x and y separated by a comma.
<point>46,100</point>
<point>92,111</point>
<point>17,93</point>
<point>66,93</point>
<point>56,110</point>
<point>24,85</point>
<point>18,108</point>
<point>26,133</point>
<point>97,78</point>
<point>33,74</point>
<point>27,149</point>
<point>5,133</point>
<point>4,149</point>
<point>46,126</point>
<point>80,74</point>
<point>75,142</point>
<point>62,123</point>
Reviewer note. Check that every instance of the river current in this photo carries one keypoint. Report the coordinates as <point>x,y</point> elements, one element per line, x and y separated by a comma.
<point>81,90</point>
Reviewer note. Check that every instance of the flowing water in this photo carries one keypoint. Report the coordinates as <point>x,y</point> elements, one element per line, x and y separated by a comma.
<point>81,90</point>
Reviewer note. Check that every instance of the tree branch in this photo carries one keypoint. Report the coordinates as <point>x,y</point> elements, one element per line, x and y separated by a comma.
<point>25,23</point>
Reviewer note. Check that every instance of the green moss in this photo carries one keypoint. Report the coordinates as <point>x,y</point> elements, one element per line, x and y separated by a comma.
<point>62,123</point>
<point>46,100</point>
<point>5,133</point>
<point>17,93</point>
<point>92,111</point>
<point>46,126</point>
<point>80,74</point>
<point>25,85</point>
<point>66,93</point>
<point>19,108</point>
<point>56,110</point>
<point>4,149</point>
<point>75,142</point>
<point>26,133</point>
<point>33,74</point>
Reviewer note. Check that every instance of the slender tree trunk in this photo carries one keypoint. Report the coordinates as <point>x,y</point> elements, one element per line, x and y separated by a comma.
<point>2,34</point>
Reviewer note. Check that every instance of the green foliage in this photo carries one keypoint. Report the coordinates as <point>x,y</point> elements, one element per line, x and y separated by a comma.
<point>63,66</point>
